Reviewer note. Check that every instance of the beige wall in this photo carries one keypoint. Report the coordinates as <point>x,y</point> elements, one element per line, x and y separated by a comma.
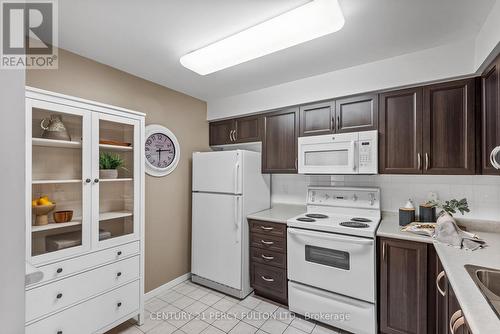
<point>168,199</point>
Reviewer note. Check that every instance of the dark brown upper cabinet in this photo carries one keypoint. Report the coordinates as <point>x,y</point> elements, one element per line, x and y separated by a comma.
<point>221,132</point>
<point>279,145</point>
<point>234,131</point>
<point>317,118</point>
<point>356,113</point>
<point>429,130</point>
<point>402,287</point>
<point>449,128</point>
<point>490,115</point>
<point>400,137</point>
<point>248,129</point>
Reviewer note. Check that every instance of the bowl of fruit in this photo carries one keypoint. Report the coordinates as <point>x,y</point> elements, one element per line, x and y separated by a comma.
<point>41,208</point>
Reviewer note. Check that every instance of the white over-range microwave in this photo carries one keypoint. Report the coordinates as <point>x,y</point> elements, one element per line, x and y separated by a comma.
<point>344,153</point>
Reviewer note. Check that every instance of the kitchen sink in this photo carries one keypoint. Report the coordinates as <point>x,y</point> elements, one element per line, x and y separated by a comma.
<point>488,282</point>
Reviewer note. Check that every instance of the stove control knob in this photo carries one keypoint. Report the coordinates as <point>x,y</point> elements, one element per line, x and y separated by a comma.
<point>327,196</point>
<point>354,198</point>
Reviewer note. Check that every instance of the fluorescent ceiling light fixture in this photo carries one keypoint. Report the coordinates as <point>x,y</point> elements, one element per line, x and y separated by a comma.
<point>312,20</point>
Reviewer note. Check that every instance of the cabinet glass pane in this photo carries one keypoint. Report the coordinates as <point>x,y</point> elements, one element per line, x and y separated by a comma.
<point>116,184</point>
<point>57,187</point>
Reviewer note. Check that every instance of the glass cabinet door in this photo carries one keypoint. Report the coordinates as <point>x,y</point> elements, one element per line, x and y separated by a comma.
<point>58,146</point>
<point>116,176</point>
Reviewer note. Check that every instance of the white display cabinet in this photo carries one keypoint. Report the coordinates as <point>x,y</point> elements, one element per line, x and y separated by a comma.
<point>107,223</point>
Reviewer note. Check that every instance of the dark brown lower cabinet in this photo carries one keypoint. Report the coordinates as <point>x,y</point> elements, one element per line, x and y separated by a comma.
<point>268,267</point>
<point>402,287</point>
<point>414,294</point>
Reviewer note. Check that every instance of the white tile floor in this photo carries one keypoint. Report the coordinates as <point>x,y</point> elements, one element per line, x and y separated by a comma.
<point>191,309</point>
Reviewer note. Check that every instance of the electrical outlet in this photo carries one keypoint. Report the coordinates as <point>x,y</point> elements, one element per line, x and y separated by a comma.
<point>432,196</point>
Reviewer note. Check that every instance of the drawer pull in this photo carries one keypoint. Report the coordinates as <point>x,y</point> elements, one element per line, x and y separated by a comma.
<point>267,258</point>
<point>119,304</point>
<point>59,270</point>
<point>267,242</point>
<point>59,295</point>
<point>118,274</point>
<point>267,228</point>
<point>119,253</point>
<point>267,279</point>
<point>438,279</point>
<point>453,319</point>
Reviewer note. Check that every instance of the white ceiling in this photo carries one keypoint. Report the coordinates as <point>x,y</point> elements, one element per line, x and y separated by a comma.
<point>147,38</point>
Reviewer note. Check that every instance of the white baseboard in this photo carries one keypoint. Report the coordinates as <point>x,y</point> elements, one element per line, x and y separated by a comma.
<point>162,288</point>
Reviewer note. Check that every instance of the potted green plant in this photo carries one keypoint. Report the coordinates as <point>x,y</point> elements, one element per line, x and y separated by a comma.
<point>450,207</point>
<point>109,164</point>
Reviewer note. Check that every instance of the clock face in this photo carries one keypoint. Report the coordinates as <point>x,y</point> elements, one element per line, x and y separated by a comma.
<point>160,150</point>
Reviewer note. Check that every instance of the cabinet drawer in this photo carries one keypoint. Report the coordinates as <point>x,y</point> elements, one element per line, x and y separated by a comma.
<point>268,257</point>
<point>92,315</point>
<point>68,267</point>
<point>270,281</point>
<point>52,297</point>
<point>269,242</point>
<point>268,228</point>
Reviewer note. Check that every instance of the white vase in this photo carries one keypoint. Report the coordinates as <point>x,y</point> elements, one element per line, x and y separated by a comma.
<point>108,173</point>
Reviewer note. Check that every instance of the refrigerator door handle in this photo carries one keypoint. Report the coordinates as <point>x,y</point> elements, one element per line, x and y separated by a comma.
<point>237,216</point>
<point>236,177</point>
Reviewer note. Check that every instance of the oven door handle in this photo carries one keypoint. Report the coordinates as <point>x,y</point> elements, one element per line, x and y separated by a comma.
<point>332,237</point>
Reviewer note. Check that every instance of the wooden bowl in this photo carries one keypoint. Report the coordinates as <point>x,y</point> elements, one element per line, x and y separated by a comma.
<point>63,216</point>
<point>41,212</point>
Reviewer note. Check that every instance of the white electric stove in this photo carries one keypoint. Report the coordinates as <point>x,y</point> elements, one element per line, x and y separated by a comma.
<point>331,258</point>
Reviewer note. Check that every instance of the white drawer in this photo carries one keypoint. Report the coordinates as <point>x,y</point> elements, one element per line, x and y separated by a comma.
<point>346,313</point>
<point>68,267</point>
<point>92,315</point>
<point>54,296</point>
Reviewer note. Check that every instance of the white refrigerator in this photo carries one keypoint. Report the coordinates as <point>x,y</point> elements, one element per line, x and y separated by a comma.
<point>227,186</point>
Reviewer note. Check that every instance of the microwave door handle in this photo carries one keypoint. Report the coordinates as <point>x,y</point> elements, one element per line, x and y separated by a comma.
<point>353,156</point>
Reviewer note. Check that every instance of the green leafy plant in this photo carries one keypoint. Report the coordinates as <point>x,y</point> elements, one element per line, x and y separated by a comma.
<point>110,161</point>
<point>451,206</point>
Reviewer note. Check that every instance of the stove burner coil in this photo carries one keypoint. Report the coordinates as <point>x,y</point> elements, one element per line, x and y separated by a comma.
<point>316,215</point>
<point>305,219</point>
<point>362,220</point>
<point>354,224</point>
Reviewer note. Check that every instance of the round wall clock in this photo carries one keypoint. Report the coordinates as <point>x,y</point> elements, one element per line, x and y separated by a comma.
<point>161,149</point>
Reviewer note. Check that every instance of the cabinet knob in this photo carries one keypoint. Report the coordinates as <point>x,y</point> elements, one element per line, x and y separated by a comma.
<point>119,304</point>
<point>118,274</point>
<point>119,253</point>
<point>88,180</point>
<point>59,270</point>
<point>96,180</point>
<point>59,296</point>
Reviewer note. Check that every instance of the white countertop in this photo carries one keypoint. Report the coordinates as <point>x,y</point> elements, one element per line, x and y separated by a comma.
<point>480,316</point>
<point>279,213</point>
<point>389,228</point>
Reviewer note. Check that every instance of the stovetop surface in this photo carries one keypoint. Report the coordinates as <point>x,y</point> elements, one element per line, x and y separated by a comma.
<point>352,211</point>
<point>334,224</point>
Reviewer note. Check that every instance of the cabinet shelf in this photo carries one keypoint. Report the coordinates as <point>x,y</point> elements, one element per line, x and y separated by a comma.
<point>56,181</point>
<point>56,143</point>
<point>52,226</point>
<point>115,148</point>
<point>114,215</point>
<point>123,179</point>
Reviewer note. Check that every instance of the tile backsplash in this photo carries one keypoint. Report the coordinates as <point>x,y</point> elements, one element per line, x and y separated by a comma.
<point>482,192</point>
